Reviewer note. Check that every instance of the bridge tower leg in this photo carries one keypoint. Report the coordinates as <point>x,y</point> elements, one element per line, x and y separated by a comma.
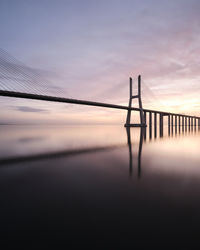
<point>138,96</point>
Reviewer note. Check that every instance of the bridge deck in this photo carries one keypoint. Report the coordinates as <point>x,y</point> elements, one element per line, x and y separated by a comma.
<point>82,102</point>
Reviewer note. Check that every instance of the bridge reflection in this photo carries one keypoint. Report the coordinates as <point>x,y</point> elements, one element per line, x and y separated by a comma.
<point>143,138</point>
<point>143,135</point>
<point>139,154</point>
<point>57,154</point>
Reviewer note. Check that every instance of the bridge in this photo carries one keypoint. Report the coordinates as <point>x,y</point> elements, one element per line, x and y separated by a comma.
<point>10,68</point>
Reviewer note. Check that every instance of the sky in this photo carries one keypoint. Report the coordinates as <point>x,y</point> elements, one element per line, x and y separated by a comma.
<point>88,49</point>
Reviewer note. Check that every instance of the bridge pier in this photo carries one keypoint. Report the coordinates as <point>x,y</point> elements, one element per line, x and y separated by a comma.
<point>198,124</point>
<point>192,122</point>
<point>150,125</point>
<point>182,123</point>
<point>189,123</point>
<point>185,123</point>
<point>172,124</point>
<point>145,121</point>
<point>169,125</point>
<point>176,124</point>
<point>195,123</point>
<point>155,124</point>
<point>145,117</point>
<point>161,125</point>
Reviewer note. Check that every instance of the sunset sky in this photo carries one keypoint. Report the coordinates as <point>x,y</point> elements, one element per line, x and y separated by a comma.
<point>88,49</point>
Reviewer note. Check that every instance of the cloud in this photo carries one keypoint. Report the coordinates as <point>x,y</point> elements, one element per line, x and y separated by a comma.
<point>29,109</point>
<point>30,139</point>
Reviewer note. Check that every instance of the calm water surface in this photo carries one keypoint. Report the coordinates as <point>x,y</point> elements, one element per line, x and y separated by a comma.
<point>99,185</point>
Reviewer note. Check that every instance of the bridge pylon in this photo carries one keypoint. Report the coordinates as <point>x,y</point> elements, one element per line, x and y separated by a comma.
<point>138,96</point>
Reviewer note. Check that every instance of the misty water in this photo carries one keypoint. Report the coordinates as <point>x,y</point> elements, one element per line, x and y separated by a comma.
<point>98,182</point>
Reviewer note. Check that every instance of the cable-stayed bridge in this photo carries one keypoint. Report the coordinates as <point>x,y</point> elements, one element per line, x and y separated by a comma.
<point>19,81</point>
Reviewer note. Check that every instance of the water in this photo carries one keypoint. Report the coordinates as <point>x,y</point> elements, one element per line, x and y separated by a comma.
<point>87,185</point>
